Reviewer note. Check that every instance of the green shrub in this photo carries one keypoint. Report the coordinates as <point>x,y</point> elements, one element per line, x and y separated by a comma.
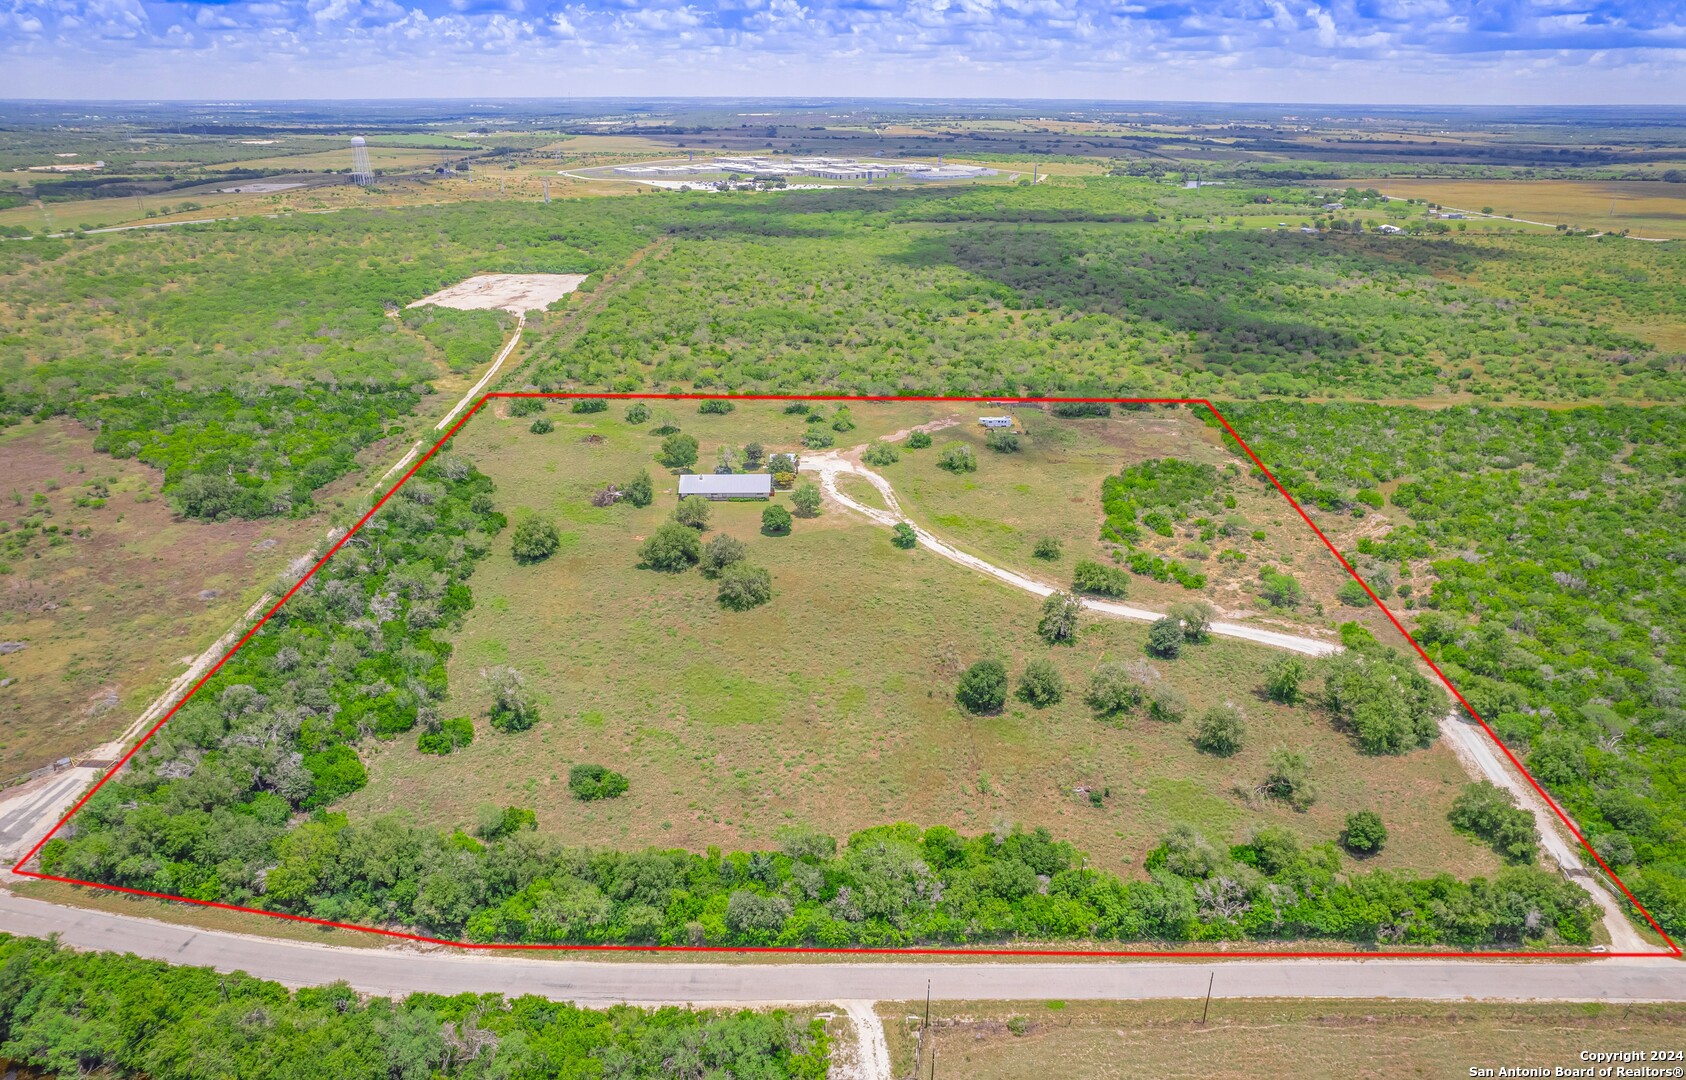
<point>526,406</point>
<point>903,536</point>
<point>694,511</point>
<point>534,540</point>
<point>816,439</point>
<point>1049,548</point>
<point>716,407</point>
<point>637,413</point>
<point>1283,676</point>
<point>495,824</point>
<point>1098,579</point>
<point>456,732</point>
<point>775,520</point>
<point>1041,684</point>
<point>1352,594</point>
<point>639,491</point>
<point>672,548</point>
<point>1364,833</point>
<point>1059,620</point>
<point>881,453</point>
<point>1288,777</point>
<point>1165,638</point>
<point>1113,690</point>
<point>743,586</point>
<point>589,405</point>
<point>1491,814</point>
<point>720,552</point>
<point>918,440</point>
<point>1002,441</point>
<point>983,687</point>
<point>806,499</point>
<point>1222,730</point>
<point>542,426</point>
<point>592,782</point>
<point>1279,590</point>
<point>958,458</point>
<point>679,451</point>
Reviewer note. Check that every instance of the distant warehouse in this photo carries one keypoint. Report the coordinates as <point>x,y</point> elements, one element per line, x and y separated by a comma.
<point>727,485</point>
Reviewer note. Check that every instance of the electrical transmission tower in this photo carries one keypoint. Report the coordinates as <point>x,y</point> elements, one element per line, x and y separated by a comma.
<point>361,174</point>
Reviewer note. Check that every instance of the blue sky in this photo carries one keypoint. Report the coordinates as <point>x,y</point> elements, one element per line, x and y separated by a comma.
<point>1380,51</point>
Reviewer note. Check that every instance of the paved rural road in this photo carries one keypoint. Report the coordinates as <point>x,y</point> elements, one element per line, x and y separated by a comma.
<point>400,971</point>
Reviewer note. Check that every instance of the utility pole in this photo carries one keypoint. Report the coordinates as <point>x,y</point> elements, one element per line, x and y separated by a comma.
<point>1208,1007</point>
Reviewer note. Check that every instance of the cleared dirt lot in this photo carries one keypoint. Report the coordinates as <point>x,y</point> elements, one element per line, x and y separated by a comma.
<point>505,292</point>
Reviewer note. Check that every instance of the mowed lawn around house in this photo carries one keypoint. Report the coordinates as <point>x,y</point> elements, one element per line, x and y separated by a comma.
<point>832,706</point>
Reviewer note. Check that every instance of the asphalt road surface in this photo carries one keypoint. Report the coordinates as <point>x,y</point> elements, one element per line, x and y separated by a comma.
<point>399,971</point>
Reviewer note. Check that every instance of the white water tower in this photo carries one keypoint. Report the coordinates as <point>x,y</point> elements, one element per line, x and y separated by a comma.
<point>361,174</point>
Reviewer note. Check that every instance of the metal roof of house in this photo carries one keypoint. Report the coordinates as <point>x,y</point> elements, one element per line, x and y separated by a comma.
<point>725,484</point>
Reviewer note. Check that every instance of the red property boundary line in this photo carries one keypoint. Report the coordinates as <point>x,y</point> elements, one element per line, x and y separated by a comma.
<point>1354,954</point>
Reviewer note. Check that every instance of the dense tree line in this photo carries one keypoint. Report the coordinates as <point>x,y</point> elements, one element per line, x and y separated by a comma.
<point>1543,555</point>
<point>81,1014</point>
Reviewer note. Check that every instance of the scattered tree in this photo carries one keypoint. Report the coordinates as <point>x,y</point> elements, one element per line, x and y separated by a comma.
<point>775,520</point>
<point>1166,705</point>
<point>589,405</point>
<point>715,407</point>
<point>817,438</point>
<point>983,687</point>
<point>743,586</point>
<point>720,552</point>
<point>1491,813</point>
<point>1099,579</point>
<point>492,823</point>
<point>679,451</point>
<point>1060,612</point>
<point>1113,690</point>
<point>903,536</point>
<point>806,499</point>
<point>1279,590</point>
<point>1364,833</point>
<point>1385,702</point>
<point>672,548</point>
<point>1222,730</point>
<point>456,732</point>
<point>881,453</point>
<point>958,458</point>
<point>592,782</point>
<point>725,461</point>
<point>693,510</point>
<point>753,454</point>
<point>1352,594</point>
<point>918,440</point>
<point>1041,684</point>
<point>1288,777</point>
<point>1165,638</point>
<point>639,491</point>
<point>1195,618</point>
<point>637,413</point>
<point>541,426</point>
<point>512,707</point>
<point>1283,676</point>
<point>841,420</point>
<point>534,540</point>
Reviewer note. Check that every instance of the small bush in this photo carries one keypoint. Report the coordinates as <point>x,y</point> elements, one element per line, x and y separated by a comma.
<point>716,407</point>
<point>693,510</point>
<point>1283,676</point>
<point>1352,594</point>
<point>796,408</point>
<point>903,536</point>
<point>1289,778</point>
<point>1364,833</point>
<point>526,406</point>
<point>639,491</point>
<point>806,499</point>
<point>1492,814</point>
<point>1099,579</point>
<point>841,420</point>
<point>679,451</point>
<point>1048,548</point>
<point>1222,730</point>
<point>589,405</point>
<point>958,458</point>
<point>495,824</point>
<point>983,687</point>
<point>1165,638</point>
<point>541,426</point>
<point>672,548</point>
<point>637,413</point>
<point>1195,617</point>
<point>918,440</point>
<point>743,586</point>
<point>456,732</point>
<point>1002,442</point>
<point>534,540</point>
<point>1041,684</point>
<point>1166,705</point>
<point>720,552</point>
<point>881,453</point>
<point>1279,590</point>
<point>1060,614</point>
<point>592,782</point>
<point>817,439</point>
<point>1071,410</point>
<point>775,520</point>
<point>1113,691</point>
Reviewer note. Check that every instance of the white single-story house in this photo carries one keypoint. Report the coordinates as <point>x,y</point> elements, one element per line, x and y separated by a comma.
<point>1389,229</point>
<point>996,421</point>
<point>719,486</point>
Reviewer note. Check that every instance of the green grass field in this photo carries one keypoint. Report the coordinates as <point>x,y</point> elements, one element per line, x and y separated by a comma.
<point>832,706</point>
